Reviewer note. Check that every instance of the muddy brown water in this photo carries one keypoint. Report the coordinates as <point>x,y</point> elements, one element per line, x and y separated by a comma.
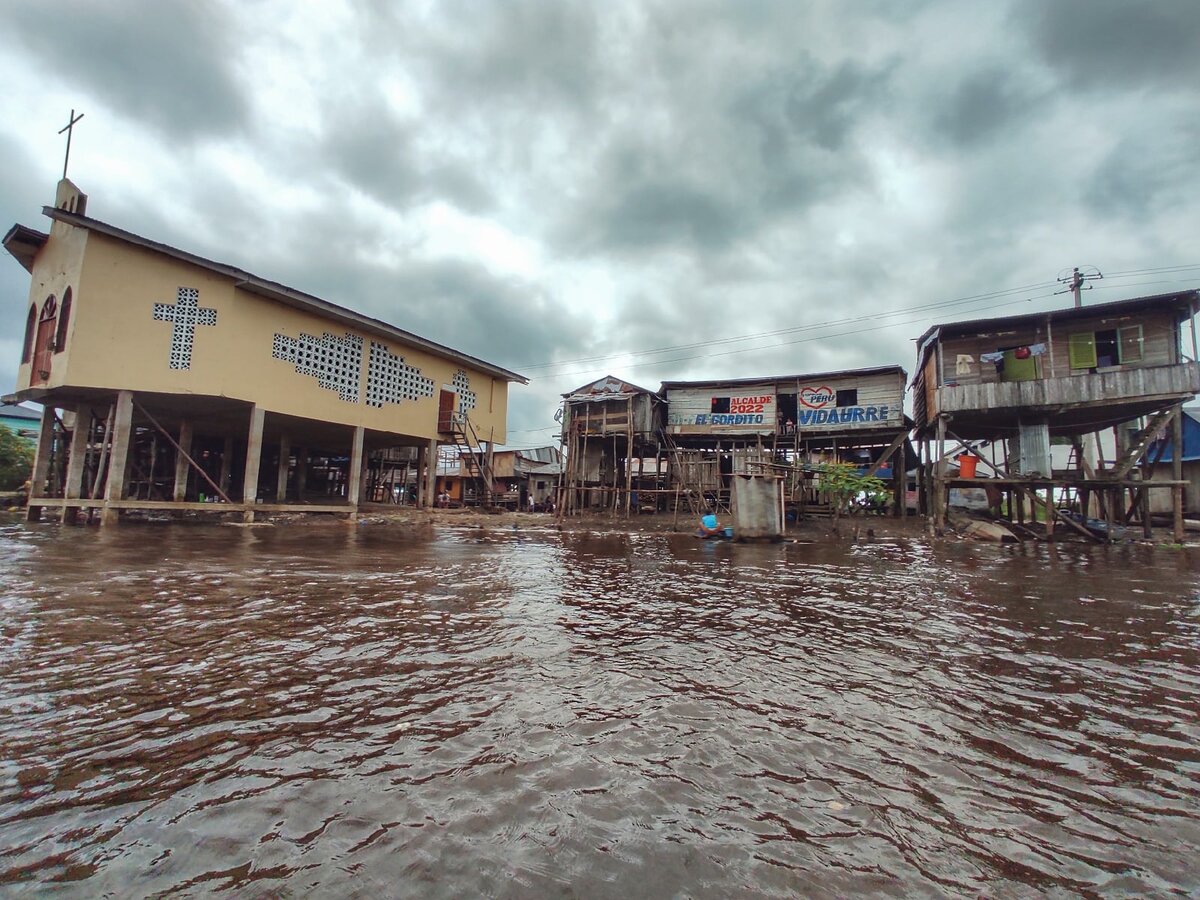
<point>523,712</point>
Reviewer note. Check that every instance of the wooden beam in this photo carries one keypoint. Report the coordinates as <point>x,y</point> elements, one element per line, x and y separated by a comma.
<point>183,454</point>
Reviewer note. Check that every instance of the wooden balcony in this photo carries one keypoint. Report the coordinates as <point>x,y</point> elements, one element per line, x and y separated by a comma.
<point>1071,404</point>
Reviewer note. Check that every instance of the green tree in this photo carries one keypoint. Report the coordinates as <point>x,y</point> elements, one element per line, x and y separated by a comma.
<point>849,490</point>
<point>16,460</point>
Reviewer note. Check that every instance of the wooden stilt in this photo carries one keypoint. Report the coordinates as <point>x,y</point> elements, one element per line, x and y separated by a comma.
<point>1177,473</point>
<point>226,477</point>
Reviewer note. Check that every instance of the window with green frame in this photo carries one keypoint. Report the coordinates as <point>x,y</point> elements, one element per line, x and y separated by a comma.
<point>1110,347</point>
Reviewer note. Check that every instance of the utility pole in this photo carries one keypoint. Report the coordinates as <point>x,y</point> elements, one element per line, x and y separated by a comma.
<point>1076,282</point>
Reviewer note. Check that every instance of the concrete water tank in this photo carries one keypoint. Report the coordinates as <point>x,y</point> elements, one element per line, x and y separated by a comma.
<point>757,508</point>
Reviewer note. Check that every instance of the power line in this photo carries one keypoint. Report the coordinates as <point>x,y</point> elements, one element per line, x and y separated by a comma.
<point>974,298</point>
<point>788,343</point>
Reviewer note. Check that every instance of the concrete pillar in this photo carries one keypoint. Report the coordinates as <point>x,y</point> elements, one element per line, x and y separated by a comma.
<point>226,477</point>
<point>41,462</point>
<point>76,460</point>
<point>253,461</point>
<point>431,452</point>
<point>118,462</point>
<point>301,472</point>
<point>182,468</point>
<point>354,475</point>
<point>285,452</point>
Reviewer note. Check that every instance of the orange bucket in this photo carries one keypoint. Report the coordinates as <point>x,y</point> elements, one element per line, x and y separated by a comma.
<point>966,465</point>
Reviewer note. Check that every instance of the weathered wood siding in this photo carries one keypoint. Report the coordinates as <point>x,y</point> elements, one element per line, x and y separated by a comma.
<point>612,416</point>
<point>1099,387</point>
<point>690,410</point>
<point>754,408</point>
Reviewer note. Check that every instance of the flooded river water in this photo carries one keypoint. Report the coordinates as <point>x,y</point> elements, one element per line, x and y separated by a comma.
<point>525,712</point>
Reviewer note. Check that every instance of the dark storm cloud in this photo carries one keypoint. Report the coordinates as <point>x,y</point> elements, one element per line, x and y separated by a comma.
<point>983,106</point>
<point>1140,176</point>
<point>1117,44</point>
<point>169,65</point>
<point>529,52</point>
<point>22,196</point>
<point>374,150</point>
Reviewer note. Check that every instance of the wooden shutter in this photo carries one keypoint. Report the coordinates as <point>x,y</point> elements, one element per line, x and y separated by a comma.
<point>1131,343</point>
<point>1083,350</point>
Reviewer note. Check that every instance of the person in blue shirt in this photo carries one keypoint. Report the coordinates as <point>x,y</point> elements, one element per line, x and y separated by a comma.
<point>709,526</point>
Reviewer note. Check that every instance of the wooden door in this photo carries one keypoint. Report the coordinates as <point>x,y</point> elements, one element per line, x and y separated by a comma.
<point>43,344</point>
<point>446,412</point>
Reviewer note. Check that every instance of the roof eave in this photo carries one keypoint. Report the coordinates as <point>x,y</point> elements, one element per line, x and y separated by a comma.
<point>23,244</point>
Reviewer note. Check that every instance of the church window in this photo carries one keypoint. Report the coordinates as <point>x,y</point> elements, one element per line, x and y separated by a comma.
<point>64,318</point>
<point>30,325</point>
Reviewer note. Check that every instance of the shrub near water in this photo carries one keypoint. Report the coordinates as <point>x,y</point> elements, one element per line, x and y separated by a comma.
<point>849,490</point>
<point>16,460</point>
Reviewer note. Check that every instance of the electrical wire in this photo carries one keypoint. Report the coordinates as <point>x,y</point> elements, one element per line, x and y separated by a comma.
<point>974,298</point>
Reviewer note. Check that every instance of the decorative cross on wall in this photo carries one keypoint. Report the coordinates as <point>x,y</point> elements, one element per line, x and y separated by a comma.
<point>186,314</point>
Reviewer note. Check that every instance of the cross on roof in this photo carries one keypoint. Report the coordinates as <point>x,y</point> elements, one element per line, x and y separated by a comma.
<point>186,314</point>
<point>68,128</point>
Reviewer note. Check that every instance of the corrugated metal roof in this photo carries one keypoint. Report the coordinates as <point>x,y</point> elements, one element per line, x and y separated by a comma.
<point>970,326</point>
<point>282,294</point>
<point>809,376</point>
<point>607,388</point>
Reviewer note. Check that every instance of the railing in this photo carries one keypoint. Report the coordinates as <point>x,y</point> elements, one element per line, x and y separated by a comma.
<point>1098,387</point>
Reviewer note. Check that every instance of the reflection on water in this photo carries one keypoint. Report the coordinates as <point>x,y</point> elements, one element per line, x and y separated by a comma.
<point>526,712</point>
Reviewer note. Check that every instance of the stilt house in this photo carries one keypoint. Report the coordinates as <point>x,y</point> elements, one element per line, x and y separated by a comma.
<point>170,381</point>
<point>1009,386</point>
<point>608,427</point>
<point>789,425</point>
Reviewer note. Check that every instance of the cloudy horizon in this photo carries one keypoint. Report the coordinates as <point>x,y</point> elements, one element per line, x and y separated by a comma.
<point>570,189</point>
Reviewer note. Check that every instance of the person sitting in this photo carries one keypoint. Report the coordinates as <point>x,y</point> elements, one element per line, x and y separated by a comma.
<point>710,527</point>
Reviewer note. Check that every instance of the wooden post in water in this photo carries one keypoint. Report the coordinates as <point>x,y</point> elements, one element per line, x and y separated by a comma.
<point>939,479</point>
<point>1177,471</point>
<point>254,439</point>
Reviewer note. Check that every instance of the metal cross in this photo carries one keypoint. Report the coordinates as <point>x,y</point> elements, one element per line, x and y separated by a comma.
<point>186,314</point>
<point>68,128</point>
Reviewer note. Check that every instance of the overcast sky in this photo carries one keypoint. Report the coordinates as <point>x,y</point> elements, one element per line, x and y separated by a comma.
<point>560,187</point>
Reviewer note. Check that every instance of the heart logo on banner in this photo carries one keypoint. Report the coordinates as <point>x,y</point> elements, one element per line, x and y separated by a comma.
<point>815,398</point>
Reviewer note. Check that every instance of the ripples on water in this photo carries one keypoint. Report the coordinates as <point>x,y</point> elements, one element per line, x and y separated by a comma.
<point>533,713</point>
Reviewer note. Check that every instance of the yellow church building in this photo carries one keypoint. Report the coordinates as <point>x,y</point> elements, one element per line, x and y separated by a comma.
<point>172,382</point>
